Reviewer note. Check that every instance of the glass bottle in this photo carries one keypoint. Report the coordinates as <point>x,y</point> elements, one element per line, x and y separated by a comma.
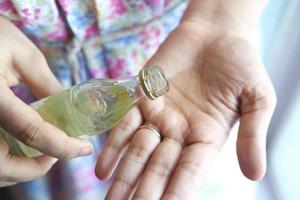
<point>95,106</point>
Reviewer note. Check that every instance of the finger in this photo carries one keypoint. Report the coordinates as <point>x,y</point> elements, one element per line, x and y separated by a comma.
<point>41,80</point>
<point>132,165</point>
<point>18,169</point>
<point>6,183</point>
<point>174,128</point>
<point>25,124</point>
<point>257,110</point>
<point>117,140</point>
<point>189,174</point>
<point>29,63</point>
<point>172,124</point>
<point>158,170</point>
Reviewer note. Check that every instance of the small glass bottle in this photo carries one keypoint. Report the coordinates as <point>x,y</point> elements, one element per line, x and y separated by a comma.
<point>95,106</point>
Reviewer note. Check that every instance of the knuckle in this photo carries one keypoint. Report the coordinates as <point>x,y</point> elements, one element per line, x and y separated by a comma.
<point>264,96</point>
<point>138,153</point>
<point>125,125</point>
<point>32,135</point>
<point>259,97</point>
<point>160,169</point>
<point>189,167</point>
<point>125,183</point>
<point>114,144</point>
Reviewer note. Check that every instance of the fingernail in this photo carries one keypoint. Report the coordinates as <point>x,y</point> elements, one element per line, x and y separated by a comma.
<point>86,150</point>
<point>54,160</point>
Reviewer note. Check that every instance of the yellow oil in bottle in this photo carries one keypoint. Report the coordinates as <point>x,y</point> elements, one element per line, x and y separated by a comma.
<point>93,107</point>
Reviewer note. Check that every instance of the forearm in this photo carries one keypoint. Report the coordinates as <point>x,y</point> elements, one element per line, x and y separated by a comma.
<point>228,13</point>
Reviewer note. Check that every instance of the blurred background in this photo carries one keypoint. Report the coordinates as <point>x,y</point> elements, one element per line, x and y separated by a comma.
<point>280,37</point>
<point>281,55</point>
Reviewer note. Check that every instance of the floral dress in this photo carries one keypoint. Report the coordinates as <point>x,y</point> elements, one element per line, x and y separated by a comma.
<point>84,39</point>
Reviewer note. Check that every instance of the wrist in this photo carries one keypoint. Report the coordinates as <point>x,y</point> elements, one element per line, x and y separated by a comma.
<point>228,14</point>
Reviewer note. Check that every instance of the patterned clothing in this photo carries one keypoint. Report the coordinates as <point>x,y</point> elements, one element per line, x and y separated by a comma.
<point>83,39</point>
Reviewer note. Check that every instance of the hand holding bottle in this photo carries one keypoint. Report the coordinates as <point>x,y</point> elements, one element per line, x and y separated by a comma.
<point>21,61</point>
<point>217,78</point>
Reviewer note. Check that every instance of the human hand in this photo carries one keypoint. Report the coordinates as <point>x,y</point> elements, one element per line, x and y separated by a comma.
<point>217,78</point>
<point>21,61</point>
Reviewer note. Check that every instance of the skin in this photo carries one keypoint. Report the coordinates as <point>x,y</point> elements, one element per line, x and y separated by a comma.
<point>21,61</point>
<point>217,78</point>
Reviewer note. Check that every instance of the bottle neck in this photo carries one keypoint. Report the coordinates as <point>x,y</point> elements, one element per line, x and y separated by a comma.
<point>153,81</point>
<point>135,88</point>
<point>139,94</point>
<point>150,83</point>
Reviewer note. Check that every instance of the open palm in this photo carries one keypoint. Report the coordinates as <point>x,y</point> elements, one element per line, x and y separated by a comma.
<point>216,79</point>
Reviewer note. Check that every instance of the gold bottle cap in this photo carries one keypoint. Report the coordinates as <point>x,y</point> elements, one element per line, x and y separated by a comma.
<point>154,81</point>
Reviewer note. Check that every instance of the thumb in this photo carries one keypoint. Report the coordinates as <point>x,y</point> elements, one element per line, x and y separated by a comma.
<point>33,70</point>
<point>257,107</point>
<point>25,62</point>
